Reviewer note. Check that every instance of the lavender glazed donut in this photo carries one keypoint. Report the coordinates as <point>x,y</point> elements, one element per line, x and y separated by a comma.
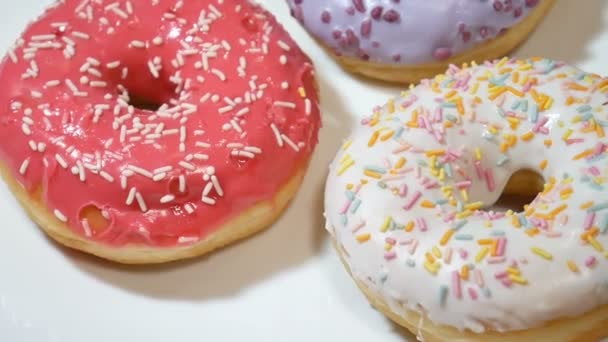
<point>404,41</point>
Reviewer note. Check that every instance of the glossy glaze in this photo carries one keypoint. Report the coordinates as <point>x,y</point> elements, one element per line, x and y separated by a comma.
<point>408,197</point>
<point>238,114</point>
<point>407,32</point>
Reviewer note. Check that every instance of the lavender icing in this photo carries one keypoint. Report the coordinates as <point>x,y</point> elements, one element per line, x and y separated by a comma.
<point>407,31</point>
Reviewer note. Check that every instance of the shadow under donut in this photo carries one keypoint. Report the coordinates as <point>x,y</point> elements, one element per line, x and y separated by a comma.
<point>297,237</point>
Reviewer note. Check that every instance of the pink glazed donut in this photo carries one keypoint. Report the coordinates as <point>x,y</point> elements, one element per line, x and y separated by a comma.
<point>156,130</point>
<point>404,41</point>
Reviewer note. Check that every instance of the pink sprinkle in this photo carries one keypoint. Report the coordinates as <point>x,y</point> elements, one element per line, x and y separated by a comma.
<point>463,254</point>
<point>599,149</point>
<point>490,180</point>
<point>594,171</point>
<point>449,217</point>
<point>496,260</point>
<point>590,262</point>
<point>406,242</point>
<point>507,282</point>
<point>501,274</point>
<point>390,255</point>
<point>358,188</point>
<point>412,248</point>
<point>364,121</point>
<point>479,278</point>
<point>574,141</point>
<point>563,219</point>
<point>552,234</point>
<point>346,206</point>
<point>432,185</point>
<point>463,184</point>
<point>456,286</point>
<point>500,248</point>
<point>403,190</point>
<point>418,171</point>
<point>438,114</point>
<point>478,169</point>
<point>540,123</point>
<point>527,87</point>
<point>413,200</point>
<point>501,100</point>
<point>472,293</point>
<point>447,256</point>
<point>422,224</point>
<point>390,241</point>
<point>358,226</point>
<point>589,220</point>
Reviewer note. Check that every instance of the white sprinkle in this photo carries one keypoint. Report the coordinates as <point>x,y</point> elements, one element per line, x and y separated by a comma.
<point>285,104</point>
<point>182,183</point>
<point>43,37</point>
<point>141,202</point>
<point>131,196</point>
<point>283,45</point>
<point>283,59</point>
<point>153,69</point>
<point>80,35</point>
<point>106,176</point>
<point>163,169</point>
<point>216,185</point>
<point>24,166</point>
<point>98,84</point>
<point>26,129</point>
<point>33,145</point>
<point>208,200</point>
<point>71,85</point>
<point>277,134</point>
<point>189,208</point>
<point>140,171</point>
<point>61,161</point>
<point>87,228</point>
<point>253,149</point>
<point>41,147</point>
<point>200,156</point>
<point>307,106</point>
<point>81,174</point>
<point>159,176</point>
<point>123,182</point>
<point>157,41</point>
<point>187,165</point>
<point>59,215</point>
<point>219,74</point>
<point>202,144</point>
<point>242,154</point>
<point>290,143</point>
<point>93,61</point>
<point>113,65</point>
<point>187,239</point>
<point>138,44</point>
<point>52,83</point>
<point>166,199</point>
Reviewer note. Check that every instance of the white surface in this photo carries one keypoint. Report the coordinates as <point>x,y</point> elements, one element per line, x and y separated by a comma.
<point>285,284</point>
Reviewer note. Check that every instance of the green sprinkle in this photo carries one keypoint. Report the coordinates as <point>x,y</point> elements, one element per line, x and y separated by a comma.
<point>443,295</point>
<point>599,207</point>
<point>585,108</point>
<point>355,206</point>
<point>463,237</point>
<point>502,161</point>
<point>534,112</point>
<point>411,262</point>
<point>460,224</point>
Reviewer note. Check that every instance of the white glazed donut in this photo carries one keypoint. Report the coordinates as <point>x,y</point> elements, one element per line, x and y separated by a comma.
<point>406,195</point>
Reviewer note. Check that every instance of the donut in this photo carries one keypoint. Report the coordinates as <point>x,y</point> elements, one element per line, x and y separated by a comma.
<point>405,41</point>
<point>152,131</point>
<point>409,204</point>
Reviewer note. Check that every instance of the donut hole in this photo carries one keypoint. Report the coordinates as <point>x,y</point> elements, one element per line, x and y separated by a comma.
<point>521,189</point>
<point>93,219</point>
<point>144,103</point>
<point>174,188</point>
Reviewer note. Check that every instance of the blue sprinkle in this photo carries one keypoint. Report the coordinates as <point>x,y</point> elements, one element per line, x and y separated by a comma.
<point>534,112</point>
<point>383,278</point>
<point>465,237</point>
<point>550,66</point>
<point>443,295</point>
<point>581,76</point>
<point>515,105</point>
<point>355,206</point>
<point>422,163</point>
<point>382,185</point>
<point>524,105</point>
<point>585,179</point>
<point>596,186</point>
<point>487,135</point>
<point>448,170</point>
<point>448,105</point>
<point>399,133</point>
<point>459,206</point>
<point>451,117</point>
<point>604,224</point>
<point>411,262</point>
<point>585,108</point>
<point>599,207</point>
<point>486,292</point>
<point>350,195</point>
<point>500,111</point>
<point>470,266</point>
<point>441,201</point>
<point>460,224</point>
<point>587,116</point>
<point>500,80</point>
<point>522,220</point>
<point>375,169</point>
<point>498,233</point>
<point>502,161</point>
<point>344,219</point>
<point>602,123</point>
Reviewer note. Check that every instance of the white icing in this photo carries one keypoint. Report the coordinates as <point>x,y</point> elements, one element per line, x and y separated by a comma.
<point>552,290</point>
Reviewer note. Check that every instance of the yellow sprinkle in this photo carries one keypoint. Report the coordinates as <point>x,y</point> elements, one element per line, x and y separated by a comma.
<point>446,237</point>
<point>345,158</point>
<point>474,205</point>
<point>558,210</point>
<point>350,186</point>
<point>373,139</point>
<point>586,205</point>
<point>372,174</point>
<point>436,252</point>
<point>474,88</point>
<point>464,214</point>
<point>542,253</point>
<point>543,164</point>
<point>386,224</point>
<point>302,91</point>
<point>525,67</point>
<point>572,266</point>
<point>548,103</point>
<point>409,226</point>
<point>345,166</point>
<point>464,272</point>
<point>388,247</point>
<point>515,92</point>
<point>501,90</point>
<point>464,194</point>
<point>364,237</point>
<point>515,77</point>
<point>548,142</point>
<point>482,254</point>
<point>527,136</point>
<point>518,279</point>
<point>477,153</point>
<point>450,94</point>
<point>567,134</point>
<point>391,106</point>
<point>431,153</point>
<point>513,271</point>
<point>515,222</point>
<point>347,145</point>
<point>595,244</point>
<point>432,268</point>
<point>387,135</point>
<point>399,164</point>
<point>502,62</point>
<point>427,204</point>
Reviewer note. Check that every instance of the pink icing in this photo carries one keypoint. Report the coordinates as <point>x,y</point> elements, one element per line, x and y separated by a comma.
<point>240,114</point>
<point>407,31</point>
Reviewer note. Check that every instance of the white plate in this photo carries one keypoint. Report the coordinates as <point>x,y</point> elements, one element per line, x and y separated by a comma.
<point>285,284</point>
